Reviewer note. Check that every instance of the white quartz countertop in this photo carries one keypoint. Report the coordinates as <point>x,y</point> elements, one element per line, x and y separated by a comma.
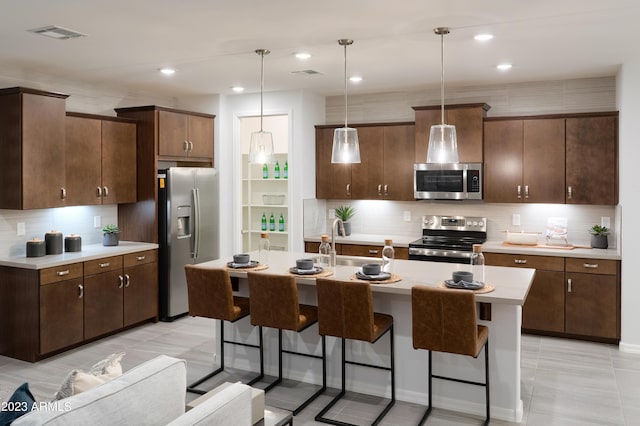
<point>511,284</point>
<point>366,239</point>
<point>89,252</point>
<point>591,253</point>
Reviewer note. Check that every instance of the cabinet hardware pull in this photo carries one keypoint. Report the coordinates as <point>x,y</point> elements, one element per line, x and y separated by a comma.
<point>386,190</point>
<point>379,189</point>
<point>99,192</point>
<point>569,192</point>
<point>62,273</point>
<point>80,291</point>
<point>348,189</point>
<point>569,285</point>
<point>63,193</point>
<point>105,191</point>
<point>139,258</point>
<point>373,251</point>
<point>121,281</point>
<point>519,191</point>
<point>190,146</point>
<point>186,146</point>
<point>127,280</point>
<point>590,265</point>
<point>105,264</point>
<point>526,191</point>
<point>520,261</point>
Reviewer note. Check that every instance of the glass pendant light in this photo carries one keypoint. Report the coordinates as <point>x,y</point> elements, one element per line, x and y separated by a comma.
<point>261,146</point>
<point>346,148</point>
<point>443,147</point>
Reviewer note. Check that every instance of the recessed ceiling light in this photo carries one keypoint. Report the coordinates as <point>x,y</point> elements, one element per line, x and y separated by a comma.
<point>303,55</point>
<point>504,67</point>
<point>167,71</point>
<point>355,79</point>
<point>483,37</point>
<point>237,89</point>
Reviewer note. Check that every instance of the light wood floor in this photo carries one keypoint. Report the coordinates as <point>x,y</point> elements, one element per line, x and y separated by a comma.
<point>564,382</point>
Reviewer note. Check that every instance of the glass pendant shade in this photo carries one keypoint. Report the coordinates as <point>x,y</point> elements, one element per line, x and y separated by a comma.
<point>261,148</point>
<point>443,145</point>
<point>346,148</point>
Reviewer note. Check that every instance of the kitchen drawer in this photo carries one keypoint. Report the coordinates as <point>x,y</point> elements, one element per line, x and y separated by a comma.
<point>372,251</point>
<point>60,273</point>
<point>547,263</point>
<point>592,266</point>
<point>140,258</point>
<point>105,264</point>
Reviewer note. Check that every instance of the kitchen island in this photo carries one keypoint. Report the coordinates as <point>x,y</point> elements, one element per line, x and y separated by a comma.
<point>511,288</point>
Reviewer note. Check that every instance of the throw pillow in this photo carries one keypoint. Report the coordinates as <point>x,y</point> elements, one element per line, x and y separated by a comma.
<point>20,403</point>
<point>78,381</point>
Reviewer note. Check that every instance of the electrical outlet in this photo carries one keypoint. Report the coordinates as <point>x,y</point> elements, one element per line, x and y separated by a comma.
<point>407,216</point>
<point>96,221</point>
<point>515,220</point>
<point>605,221</point>
<point>332,213</point>
<point>20,229</point>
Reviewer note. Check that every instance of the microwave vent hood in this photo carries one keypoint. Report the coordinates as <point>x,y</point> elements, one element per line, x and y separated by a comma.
<point>449,181</point>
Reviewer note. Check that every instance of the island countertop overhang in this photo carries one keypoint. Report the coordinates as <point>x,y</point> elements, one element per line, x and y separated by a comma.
<point>511,284</point>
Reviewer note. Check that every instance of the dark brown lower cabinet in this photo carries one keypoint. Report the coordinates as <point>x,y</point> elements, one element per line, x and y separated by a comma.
<point>358,250</point>
<point>544,308</point>
<point>103,303</point>
<point>141,287</point>
<point>61,314</point>
<point>45,311</point>
<point>573,297</point>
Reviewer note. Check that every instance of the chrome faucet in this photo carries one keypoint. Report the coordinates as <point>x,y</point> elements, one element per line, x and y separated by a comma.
<point>333,239</point>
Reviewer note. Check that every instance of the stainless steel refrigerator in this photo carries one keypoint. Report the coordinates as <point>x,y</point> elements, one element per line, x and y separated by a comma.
<point>188,231</point>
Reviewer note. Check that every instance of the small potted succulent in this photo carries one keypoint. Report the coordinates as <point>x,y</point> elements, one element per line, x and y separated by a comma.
<point>599,236</point>
<point>110,235</point>
<point>345,213</point>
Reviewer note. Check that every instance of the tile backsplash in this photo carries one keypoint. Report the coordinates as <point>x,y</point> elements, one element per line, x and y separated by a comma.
<point>387,217</point>
<point>68,220</point>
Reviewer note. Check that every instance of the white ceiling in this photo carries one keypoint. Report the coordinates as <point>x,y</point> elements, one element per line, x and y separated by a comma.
<point>211,42</point>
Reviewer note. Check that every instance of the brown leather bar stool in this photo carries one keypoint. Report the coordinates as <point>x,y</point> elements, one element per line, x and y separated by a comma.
<point>345,310</point>
<point>445,320</point>
<point>274,303</point>
<point>210,295</point>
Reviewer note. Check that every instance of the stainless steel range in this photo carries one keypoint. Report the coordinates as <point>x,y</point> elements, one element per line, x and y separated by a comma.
<point>448,238</point>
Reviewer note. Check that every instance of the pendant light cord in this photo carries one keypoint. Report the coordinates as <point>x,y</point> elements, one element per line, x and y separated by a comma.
<point>442,76</point>
<point>345,85</point>
<point>261,85</point>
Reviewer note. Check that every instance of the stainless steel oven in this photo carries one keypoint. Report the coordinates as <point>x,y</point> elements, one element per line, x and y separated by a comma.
<point>448,238</point>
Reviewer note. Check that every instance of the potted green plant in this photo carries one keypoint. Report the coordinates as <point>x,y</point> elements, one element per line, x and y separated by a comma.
<point>345,213</point>
<point>110,235</point>
<point>599,236</point>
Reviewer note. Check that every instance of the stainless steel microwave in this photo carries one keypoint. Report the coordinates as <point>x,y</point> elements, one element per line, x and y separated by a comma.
<point>451,181</point>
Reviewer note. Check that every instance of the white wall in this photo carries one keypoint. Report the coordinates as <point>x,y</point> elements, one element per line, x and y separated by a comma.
<point>629,105</point>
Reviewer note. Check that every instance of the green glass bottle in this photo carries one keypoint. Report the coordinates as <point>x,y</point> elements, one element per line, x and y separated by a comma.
<point>263,225</point>
<point>276,171</point>
<point>272,223</point>
<point>265,172</point>
<point>286,170</point>
<point>281,223</point>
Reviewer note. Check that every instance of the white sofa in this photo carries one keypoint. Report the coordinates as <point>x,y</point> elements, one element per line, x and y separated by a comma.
<point>152,393</point>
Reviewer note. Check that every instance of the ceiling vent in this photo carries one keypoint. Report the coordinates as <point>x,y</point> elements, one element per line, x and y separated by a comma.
<point>306,72</point>
<point>60,33</point>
